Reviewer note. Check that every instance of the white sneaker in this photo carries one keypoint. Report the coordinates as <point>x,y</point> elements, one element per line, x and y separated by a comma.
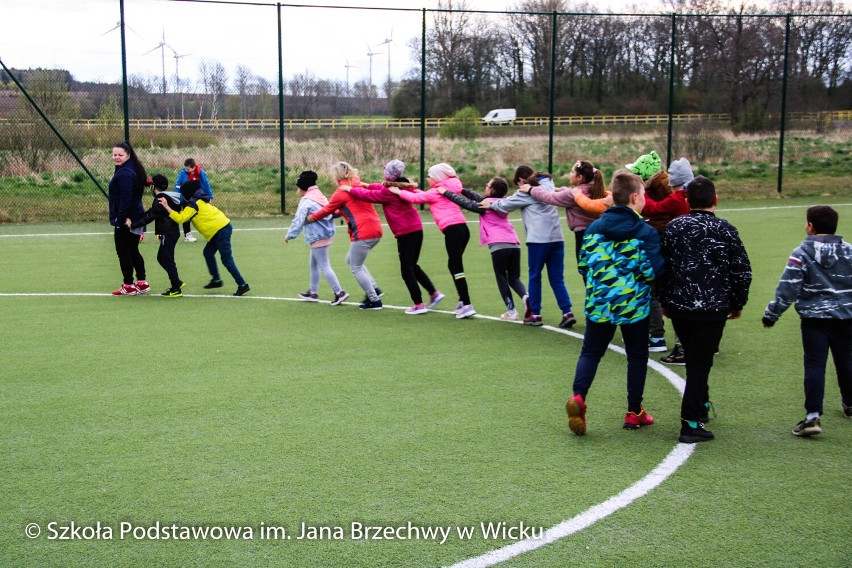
<point>510,316</point>
<point>465,312</point>
<point>189,238</point>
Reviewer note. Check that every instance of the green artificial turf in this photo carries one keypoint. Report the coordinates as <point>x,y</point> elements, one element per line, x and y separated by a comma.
<point>212,411</point>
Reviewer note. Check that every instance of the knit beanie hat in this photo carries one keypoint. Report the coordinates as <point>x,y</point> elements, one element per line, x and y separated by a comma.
<point>646,165</point>
<point>306,180</point>
<point>393,170</point>
<point>442,171</point>
<point>680,172</point>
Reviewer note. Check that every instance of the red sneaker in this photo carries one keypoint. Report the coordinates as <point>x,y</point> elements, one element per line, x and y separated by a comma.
<point>633,421</point>
<point>576,408</point>
<point>126,290</point>
<point>142,286</point>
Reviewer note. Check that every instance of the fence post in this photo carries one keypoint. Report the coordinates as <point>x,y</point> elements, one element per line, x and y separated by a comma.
<point>281,173</point>
<point>671,91</point>
<point>784,102</point>
<point>552,92</point>
<point>124,75</point>
<point>423,102</point>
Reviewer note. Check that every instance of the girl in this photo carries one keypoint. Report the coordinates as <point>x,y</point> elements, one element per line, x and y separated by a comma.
<point>496,231</point>
<point>125,203</point>
<point>365,230</point>
<point>405,224</point>
<point>451,222</point>
<point>318,236</point>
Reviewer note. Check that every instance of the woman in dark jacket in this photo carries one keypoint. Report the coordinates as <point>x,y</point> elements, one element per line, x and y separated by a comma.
<point>125,202</point>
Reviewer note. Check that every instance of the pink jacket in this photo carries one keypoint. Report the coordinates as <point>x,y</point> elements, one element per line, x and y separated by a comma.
<point>444,211</point>
<point>495,227</point>
<point>578,219</point>
<point>401,216</point>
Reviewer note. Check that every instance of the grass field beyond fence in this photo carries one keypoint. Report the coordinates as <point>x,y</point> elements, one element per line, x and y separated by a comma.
<point>215,411</point>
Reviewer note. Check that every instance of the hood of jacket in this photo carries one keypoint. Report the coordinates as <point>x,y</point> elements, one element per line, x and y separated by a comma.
<point>825,250</point>
<point>315,195</point>
<point>619,223</point>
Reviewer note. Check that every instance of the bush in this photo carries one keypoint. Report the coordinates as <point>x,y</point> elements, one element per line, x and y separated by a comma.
<point>465,124</point>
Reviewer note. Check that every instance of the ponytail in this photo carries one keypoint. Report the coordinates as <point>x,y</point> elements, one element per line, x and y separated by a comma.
<point>592,176</point>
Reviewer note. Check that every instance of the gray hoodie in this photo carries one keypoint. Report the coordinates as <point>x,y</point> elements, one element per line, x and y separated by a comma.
<point>541,220</point>
<point>818,278</point>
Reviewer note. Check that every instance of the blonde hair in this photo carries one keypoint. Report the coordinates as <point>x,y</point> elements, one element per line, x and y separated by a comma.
<point>342,170</point>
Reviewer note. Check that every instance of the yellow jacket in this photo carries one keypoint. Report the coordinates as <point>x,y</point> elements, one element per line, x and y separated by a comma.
<point>207,219</point>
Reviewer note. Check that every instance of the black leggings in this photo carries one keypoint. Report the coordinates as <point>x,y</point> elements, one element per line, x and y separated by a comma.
<point>129,257</point>
<point>456,238</point>
<point>409,246</point>
<point>507,270</point>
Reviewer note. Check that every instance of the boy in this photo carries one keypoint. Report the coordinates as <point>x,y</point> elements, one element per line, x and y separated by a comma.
<point>818,277</point>
<point>215,227</point>
<point>167,231</point>
<point>191,171</point>
<point>619,259</point>
<point>707,283</point>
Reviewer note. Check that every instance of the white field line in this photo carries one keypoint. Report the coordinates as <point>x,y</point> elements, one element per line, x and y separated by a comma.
<point>341,227</point>
<point>676,458</point>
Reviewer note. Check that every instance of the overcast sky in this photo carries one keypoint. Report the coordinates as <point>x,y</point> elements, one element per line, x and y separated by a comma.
<point>81,36</point>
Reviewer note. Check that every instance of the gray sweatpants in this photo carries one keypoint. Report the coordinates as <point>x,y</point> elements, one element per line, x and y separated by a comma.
<point>355,258</point>
<point>320,264</point>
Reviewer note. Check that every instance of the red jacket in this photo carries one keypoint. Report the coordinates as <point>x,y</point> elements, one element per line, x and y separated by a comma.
<point>361,217</point>
<point>659,213</point>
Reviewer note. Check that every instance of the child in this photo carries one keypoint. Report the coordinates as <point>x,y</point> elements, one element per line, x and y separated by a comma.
<point>406,226</point>
<point>213,226</point>
<point>545,245</point>
<point>365,231</point>
<point>192,172</point>
<point>167,231</point>
<point>706,284</point>
<point>496,231</point>
<point>818,278</point>
<point>318,235</point>
<point>620,258</point>
<point>451,222</point>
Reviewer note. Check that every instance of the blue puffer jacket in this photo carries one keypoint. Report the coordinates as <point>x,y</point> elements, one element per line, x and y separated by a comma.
<point>818,277</point>
<point>619,259</point>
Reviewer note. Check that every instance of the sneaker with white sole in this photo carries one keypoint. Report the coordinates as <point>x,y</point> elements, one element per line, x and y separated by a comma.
<point>435,298</point>
<point>309,296</point>
<point>568,320</point>
<point>525,301</point>
<point>339,297</point>
<point>533,320</point>
<point>368,305</point>
<point>807,428</point>
<point>657,345</point>
<point>142,286</point>
<point>676,357</point>
<point>189,238</point>
<point>126,290</point>
<point>417,309</point>
<point>511,315</point>
<point>465,311</point>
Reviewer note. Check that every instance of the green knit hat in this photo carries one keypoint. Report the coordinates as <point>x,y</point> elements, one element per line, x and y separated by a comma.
<point>646,166</point>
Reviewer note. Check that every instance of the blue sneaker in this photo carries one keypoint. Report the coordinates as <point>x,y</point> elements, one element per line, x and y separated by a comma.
<point>657,345</point>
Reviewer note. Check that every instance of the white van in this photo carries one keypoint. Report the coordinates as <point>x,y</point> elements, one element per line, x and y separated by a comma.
<point>500,116</point>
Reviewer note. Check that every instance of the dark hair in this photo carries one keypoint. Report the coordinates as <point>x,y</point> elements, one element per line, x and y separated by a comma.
<point>521,174</point>
<point>535,179</point>
<point>141,174</point>
<point>189,163</point>
<point>700,193</point>
<point>624,184</point>
<point>499,186</point>
<point>823,218</point>
<point>188,189</point>
<point>593,176</point>
<point>160,181</point>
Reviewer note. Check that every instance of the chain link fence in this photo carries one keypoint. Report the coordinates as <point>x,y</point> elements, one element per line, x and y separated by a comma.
<point>256,92</point>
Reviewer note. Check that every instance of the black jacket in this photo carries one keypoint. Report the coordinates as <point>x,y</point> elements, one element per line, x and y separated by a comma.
<point>163,225</point>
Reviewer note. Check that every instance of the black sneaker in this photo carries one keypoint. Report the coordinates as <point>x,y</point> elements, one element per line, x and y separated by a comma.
<point>242,289</point>
<point>807,427</point>
<point>690,435</point>
<point>309,296</point>
<point>847,409</point>
<point>568,320</point>
<point>368,305</point>
<point>172,293</point>
<point>379,292</point>
<point>213,284</point>
<point>676,357</point>
<point>339,297</point>
<point>705,416</point>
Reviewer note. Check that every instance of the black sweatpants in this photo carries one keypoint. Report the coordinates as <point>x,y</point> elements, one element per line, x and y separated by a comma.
<point>507,269</point>
<point>699,338</point>
<point>456,238</point>
<point>129,257</point>
<point>408,246</point>
<point>166,258</point>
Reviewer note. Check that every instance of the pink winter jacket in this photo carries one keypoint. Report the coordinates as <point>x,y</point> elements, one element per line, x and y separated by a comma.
<point>401,216</point>
<point>495,227</point>
<point>444,211</point>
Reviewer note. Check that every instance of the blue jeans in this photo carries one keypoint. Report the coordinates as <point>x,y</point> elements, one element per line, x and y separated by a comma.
<point>818,337</point>
<point>552,256</point>
<point>221,242</point>
<point>595,341</point>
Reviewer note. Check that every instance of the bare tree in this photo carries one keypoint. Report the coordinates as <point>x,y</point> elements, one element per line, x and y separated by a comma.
<point>214,81</point>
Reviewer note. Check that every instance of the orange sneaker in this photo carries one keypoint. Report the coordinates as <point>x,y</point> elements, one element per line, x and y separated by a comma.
<point>633,421</point>
<point>576,408</point>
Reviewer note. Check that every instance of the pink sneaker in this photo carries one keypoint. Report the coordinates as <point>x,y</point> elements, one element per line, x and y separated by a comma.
<point>417,309</point>
<point>435,298</point>
<point>633,421</point>
<point>126,290</point>
<point>142,286</point>
<point>576,408</point>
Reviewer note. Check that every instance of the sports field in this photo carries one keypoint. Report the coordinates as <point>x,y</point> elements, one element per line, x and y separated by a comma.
<point>207,430</point>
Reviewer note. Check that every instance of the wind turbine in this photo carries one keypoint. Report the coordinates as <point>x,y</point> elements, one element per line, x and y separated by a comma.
<point>348,67</point>
<point>177,57</point>
<point>370,54</point>
<point>162,47</point>
<point>387,42</point>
